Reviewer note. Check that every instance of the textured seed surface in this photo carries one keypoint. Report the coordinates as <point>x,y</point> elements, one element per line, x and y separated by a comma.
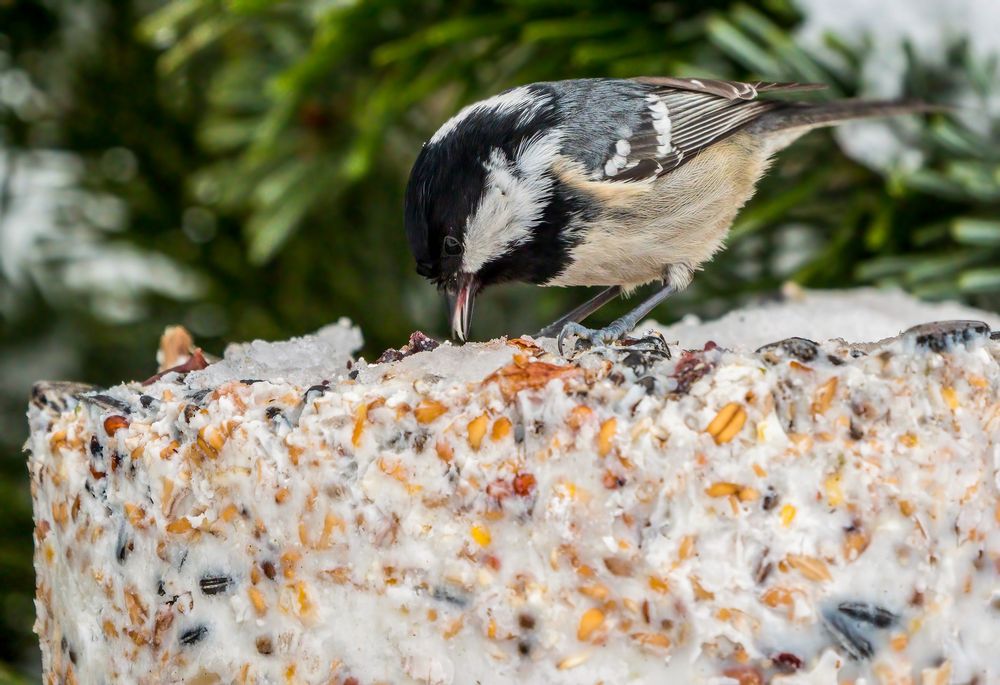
<point>591,620</point>
<point>429,410</point>
<point>727,423</point>
<point>477,430</point>
<point>496,512</point>
<point>606,435</point>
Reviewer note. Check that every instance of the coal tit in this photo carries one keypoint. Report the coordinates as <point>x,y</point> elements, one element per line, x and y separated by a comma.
<point>598,182</point>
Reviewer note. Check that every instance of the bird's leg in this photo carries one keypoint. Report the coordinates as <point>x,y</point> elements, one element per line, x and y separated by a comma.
<point>581,312</point>
<point>618,328</point>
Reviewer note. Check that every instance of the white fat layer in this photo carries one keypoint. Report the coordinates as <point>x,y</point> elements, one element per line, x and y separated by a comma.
<point>521,98</point>
<point>515,194</point>
<point>389,564</point>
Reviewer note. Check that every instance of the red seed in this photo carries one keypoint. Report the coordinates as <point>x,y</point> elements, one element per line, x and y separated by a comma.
<point>787,661</point>
<point>523,484</point>
<point>498,490</point>
<point>115,423</point>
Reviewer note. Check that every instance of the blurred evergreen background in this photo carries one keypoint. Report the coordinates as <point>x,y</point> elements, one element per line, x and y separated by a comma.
<point>237,166</point>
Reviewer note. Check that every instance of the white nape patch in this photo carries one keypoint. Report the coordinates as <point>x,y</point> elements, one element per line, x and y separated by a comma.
<point>661,124</point>
<point>515,195</point>
<point>521,98</point>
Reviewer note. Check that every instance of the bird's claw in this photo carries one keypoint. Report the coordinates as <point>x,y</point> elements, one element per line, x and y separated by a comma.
<point>588,337</point>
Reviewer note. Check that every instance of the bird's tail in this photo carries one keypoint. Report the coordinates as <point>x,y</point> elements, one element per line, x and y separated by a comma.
<point>800,115</point>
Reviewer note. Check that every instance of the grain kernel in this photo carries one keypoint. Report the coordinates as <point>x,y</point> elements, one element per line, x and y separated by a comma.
<point>744,675</point>
<point>501,429</point>
<point>777,596</point>
<point>591,620</point>
<point>598,592</point>
<point>429,410</point>
<point>658,584</point>
<point>134,513</point>
<point>477,429</point>
<point>722,489</point>
<point>181,525</point>
<point>727,423</point>
<point>60,512</point>
<point>834,493</point>
<point>257,599</point>
<point>109,628</point>
<point>288,561</point>
<point>824,396</point>
<point>359,424</point>
<point>303,606</point>
<point>811,567</point>
<point>573,661</point>
<point>169,450</point>
<point>787,514</point>
<point>481,535</point>
<point>606,435</point>
<point>699,591</point>
<point>578,416</point>
<point>652,640</point>
<point>948,393</point>
<point>855,543</point>
<point>686,547</point>
<point>444,451</point>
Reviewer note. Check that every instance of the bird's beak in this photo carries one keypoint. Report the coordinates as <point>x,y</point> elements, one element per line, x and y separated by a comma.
<point>461,305</point>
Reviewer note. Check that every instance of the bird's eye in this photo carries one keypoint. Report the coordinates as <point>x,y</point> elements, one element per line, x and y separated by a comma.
<point>452,247</point>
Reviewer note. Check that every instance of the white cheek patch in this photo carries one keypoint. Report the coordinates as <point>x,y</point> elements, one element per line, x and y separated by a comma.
<point>515,196</point>
<point>521,98</point>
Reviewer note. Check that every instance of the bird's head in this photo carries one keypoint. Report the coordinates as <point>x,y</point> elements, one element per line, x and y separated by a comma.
<point>482,205</point>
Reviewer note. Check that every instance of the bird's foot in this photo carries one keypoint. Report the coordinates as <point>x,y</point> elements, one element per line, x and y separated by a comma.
<point>589,337</point>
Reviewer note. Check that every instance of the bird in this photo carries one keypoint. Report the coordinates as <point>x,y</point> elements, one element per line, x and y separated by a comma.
<point>600,182</point>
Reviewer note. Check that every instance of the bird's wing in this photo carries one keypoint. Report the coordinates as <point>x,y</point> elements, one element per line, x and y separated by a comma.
<point>682,117</point>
